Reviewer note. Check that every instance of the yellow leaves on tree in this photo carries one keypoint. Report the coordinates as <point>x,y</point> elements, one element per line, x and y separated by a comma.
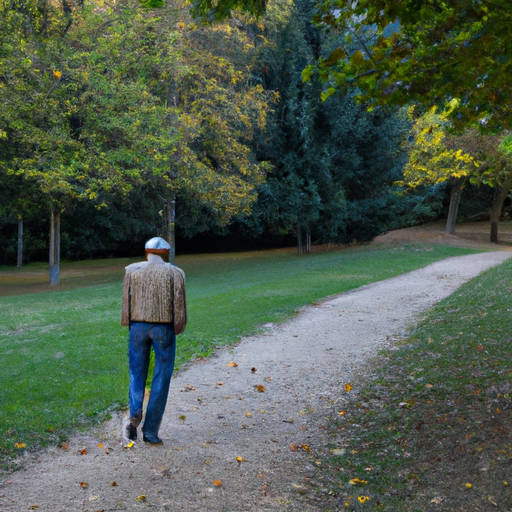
<point>434,154</point>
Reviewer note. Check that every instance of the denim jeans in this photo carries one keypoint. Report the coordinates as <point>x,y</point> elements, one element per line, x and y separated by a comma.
<point>161,337</point>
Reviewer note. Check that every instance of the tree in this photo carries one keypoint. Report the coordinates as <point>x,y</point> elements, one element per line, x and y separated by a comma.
<point>424,52</point>
<point>435,156</point>
<point>495,169</point>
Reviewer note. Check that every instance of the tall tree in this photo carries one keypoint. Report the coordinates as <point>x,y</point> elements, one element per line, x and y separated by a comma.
<point>435,156</point>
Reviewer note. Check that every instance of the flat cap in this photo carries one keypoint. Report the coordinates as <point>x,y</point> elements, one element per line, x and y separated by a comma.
<point>157,243</point>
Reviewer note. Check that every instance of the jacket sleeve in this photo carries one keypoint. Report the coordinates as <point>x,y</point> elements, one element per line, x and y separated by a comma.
<point>125,312</point>
<point>179,301</point>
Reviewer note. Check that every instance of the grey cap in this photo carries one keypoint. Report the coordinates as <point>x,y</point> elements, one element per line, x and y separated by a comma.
<point>157,243</point>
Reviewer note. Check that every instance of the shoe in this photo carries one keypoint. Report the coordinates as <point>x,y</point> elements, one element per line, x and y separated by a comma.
<point>156,441</point>
<point>131,432</point>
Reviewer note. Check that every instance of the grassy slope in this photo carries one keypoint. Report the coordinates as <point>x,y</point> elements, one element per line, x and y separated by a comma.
<point>63,360</point>
<point>436,414</point>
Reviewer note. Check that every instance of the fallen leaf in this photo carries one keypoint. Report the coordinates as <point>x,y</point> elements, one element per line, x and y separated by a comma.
<point>260,388</point>
<point>64,446</point>
<point>100,445</point>
<point>248,414</point>
<point>480,347</point>
<point>338,451</point>
<point>356,481</point>
<point>341,413</point>
<point>114,484</point>
<point>505,483</point>
<point>428,386</point>
<point>348,387</point>
<point>240,459</point>
<point>217,483</point>
<point>57,74</point>
<point>468,485</point>
<point>182,417</point>
<point>305,447</point>
<point>20,445</point>
<point>129,445</point>
<point>220,383</point>
<point>294,447</point>
<point>84,452</point>
<point>142,497</point>
<point>264,489</point>
<point>84,485</point>
<point>232,364</point>
<point>437,501</point>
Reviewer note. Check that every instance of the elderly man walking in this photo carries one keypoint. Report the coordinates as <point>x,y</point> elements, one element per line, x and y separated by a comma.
<point>154,307</point>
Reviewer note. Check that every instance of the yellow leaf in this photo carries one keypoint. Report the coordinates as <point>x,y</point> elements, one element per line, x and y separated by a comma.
<point>248,414</point>
<point>240,459</point>
<point>217,483</point>
<point>100,445</point>
<point>260,388</point>
<point>57,74</point>
<point>356,481</point>
<point>142,497</point>
<point>84,485</point>
<point>232,364</point>
<point>20,445</point>
<point>468,485</point>
<point>341,413</point>
<point>129,445</point>
<point>182,417</point>
<point>348,387</point>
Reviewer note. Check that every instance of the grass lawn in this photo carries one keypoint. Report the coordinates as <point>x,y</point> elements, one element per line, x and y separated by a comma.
<point>432,428</point>
<point>63,354</point>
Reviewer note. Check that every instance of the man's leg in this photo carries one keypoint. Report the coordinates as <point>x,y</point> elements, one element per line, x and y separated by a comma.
<point>164,346</point>
<point>139,352</point>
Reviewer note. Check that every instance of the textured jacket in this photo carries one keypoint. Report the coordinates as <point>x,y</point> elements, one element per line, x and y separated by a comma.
<point>154,293</point>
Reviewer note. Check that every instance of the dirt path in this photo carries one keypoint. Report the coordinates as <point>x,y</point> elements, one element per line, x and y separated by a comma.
<point>216,413</point>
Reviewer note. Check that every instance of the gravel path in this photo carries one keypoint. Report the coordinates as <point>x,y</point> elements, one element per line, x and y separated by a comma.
<point>216,413</point>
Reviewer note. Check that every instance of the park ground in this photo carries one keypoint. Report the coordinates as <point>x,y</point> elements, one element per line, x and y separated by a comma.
<point>278,423</point>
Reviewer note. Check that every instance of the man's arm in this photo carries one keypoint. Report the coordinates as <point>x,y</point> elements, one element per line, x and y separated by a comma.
<point>125,312</point>
<point>179,301</point>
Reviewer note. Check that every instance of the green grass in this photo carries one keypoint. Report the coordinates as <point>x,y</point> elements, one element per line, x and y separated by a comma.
<point>63,354</point>
<point>436,414</point>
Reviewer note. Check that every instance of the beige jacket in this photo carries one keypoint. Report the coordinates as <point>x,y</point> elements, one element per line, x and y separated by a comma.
<point>154,293</point>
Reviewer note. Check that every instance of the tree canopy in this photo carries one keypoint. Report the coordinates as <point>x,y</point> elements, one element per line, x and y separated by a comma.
<point>424,52</point>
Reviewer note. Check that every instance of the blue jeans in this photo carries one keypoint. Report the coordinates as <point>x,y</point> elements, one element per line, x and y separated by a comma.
<point>161,337</point>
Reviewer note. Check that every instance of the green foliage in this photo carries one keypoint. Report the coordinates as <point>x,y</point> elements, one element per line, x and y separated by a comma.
<point>396,52</point>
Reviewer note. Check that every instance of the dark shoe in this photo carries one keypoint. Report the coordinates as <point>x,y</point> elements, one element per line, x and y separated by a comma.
<point>153,441</point>
<point>131,432</point>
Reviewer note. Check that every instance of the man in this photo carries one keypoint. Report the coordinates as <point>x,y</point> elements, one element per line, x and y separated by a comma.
<point>154,306</point>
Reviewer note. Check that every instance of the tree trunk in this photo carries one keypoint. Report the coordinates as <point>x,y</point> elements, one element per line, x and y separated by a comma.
<point>308,241</point>
<point>500,194</point>
<point>456,192</point>
<point>299,240</point>
<point>170,207</point>
<point>55,248</point>
<point>20,241</point>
